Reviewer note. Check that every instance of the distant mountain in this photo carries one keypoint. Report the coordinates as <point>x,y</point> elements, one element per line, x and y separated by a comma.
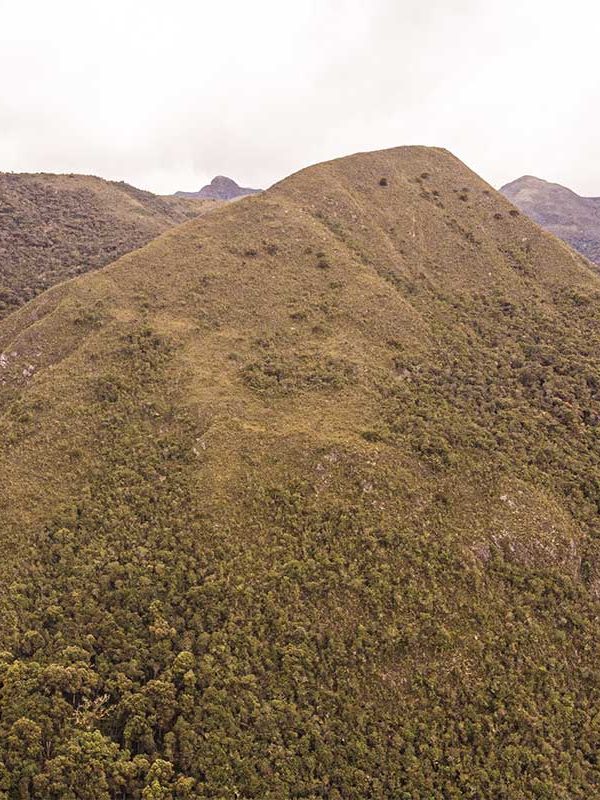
<point>301,500</point>
<point>220,188</point>
<point>53,227</point>
<point>569,216</point>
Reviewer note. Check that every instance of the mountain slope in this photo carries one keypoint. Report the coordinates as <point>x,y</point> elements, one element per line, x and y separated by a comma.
<point>559,210</point>
<point>220,188</point>
<point>53,227</point>
<point>301,500</point>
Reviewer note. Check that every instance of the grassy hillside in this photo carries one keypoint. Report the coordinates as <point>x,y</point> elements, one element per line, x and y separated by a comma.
<point>53,227</point>
<point>301,500</point>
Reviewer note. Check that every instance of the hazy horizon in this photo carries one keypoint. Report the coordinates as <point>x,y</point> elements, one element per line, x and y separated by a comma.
<point>165,101</point>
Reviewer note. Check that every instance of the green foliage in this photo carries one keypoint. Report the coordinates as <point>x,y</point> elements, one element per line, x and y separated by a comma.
<point>302,371</point>
<point>157,657</point>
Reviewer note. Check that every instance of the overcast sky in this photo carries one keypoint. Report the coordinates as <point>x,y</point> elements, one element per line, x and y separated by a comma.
<point>167,94</point>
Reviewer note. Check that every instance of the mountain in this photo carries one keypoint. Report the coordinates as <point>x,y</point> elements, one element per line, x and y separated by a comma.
<point>220,188</point>
<point>53,227</point>
<point>559,210</point>
<point>301,500</point>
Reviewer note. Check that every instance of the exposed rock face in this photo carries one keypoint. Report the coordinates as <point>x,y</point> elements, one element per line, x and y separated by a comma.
<point>569,216</point>
<point>220,188</point>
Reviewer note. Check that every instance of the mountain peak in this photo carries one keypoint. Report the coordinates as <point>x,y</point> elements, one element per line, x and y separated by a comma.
<point>223,180</point>
<point>220,188</point>
<point>302,499</point>
<point>560,210</point>
<point>527,183</point>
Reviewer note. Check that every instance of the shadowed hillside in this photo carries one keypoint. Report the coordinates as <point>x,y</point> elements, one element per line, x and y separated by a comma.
<point>53,227</point>
<point>301,500</point>
<point>572,218</point>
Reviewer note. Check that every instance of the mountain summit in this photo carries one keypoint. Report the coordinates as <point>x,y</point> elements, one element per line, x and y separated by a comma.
<point>561,211</point>
<point>220,188</point>
<point>301,500</point>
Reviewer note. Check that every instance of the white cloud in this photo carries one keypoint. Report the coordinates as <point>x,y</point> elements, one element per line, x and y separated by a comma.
<point>165,95</point>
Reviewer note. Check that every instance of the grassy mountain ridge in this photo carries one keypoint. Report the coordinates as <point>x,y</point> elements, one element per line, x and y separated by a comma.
<point>53,227</point>
<point>302,501</point>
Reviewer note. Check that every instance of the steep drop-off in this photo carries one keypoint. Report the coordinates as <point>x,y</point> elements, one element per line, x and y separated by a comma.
<point>301,500</point>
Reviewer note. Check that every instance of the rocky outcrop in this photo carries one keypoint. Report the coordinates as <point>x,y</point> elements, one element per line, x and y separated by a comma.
<point>220,188</point>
